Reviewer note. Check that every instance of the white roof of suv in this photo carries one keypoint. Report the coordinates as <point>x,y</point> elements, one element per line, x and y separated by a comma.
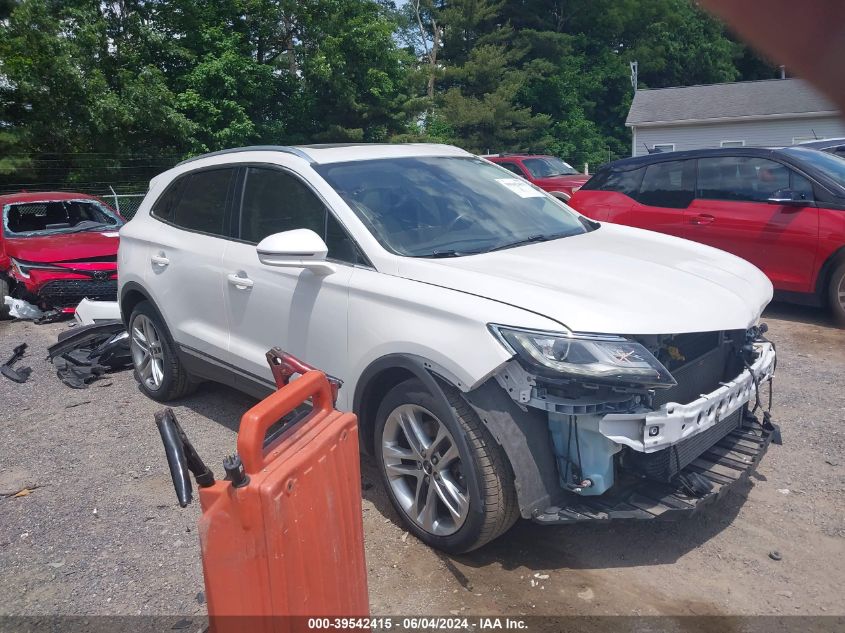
<point>342,152</point>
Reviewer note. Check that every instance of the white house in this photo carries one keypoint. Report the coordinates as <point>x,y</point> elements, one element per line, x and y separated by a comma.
<point>774,112</point>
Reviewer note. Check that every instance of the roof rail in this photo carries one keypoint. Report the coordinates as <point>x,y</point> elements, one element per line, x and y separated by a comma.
<point>253,148</point>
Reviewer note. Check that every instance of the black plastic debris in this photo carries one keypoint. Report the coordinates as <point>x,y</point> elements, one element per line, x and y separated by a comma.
<point>82,355</point>
<point>21,374</point>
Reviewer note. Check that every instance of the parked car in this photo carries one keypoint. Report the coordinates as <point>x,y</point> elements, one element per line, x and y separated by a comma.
<point>549,173</point>
<point>505,355</point>
<point>783,210</point>
<point>834,146</point>
<point>57,248</point>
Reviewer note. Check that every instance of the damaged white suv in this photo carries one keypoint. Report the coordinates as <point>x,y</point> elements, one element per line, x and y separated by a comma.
<point>506,356</point>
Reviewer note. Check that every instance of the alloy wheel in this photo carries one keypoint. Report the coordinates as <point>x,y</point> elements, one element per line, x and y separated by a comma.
<point>424,470</point>
<point>840,292</point>
<point>147,353</point>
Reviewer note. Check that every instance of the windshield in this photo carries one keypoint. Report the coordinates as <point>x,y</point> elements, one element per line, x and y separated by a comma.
<point>47,217</point>
<point>547,167</point>
<point>448,206</point>
<point>830,165</point>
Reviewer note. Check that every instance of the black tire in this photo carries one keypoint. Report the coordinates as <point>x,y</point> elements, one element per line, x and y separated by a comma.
<point>836,294</point>
<point>175,382</point>
<point>485,470</point>
<point>4,291</point>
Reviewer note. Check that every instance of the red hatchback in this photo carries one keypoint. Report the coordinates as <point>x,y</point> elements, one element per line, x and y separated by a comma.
<point>781,209</point>
<point>56,249</point>
<point>547,172</point>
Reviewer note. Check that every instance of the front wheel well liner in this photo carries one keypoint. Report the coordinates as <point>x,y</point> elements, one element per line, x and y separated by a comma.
<point>379,378</point>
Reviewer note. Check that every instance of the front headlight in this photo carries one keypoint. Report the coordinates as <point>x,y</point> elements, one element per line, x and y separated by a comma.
<point>596,358</point>
<point>24,267</point>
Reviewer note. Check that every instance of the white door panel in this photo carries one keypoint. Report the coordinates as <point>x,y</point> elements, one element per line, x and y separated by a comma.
<point>186,275</point>
<point>295,309</point>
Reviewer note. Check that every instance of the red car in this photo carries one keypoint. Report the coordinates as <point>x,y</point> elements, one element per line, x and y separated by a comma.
<point>56,249</point>
<point>547,172</point>
<point>781,209</point>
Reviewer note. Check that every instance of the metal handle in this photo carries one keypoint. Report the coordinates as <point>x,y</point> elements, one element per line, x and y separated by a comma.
<point>258,419</point>
<point>239,282</point>
<point>159,260</point>
<point>703,218</point>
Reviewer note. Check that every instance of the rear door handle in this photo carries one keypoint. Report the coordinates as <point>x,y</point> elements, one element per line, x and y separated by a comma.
<point>241,283</point>
<point>702,218</point>
<point>160,260</point>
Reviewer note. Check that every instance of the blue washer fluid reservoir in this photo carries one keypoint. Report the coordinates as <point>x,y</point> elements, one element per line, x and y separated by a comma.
<point>596,451</point>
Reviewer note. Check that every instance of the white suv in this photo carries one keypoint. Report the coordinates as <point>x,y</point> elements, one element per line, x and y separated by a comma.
<point>506,356</point>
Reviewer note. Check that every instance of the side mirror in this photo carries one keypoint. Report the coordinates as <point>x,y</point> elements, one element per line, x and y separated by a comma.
<point>789,197</point>
<point>300,248</point>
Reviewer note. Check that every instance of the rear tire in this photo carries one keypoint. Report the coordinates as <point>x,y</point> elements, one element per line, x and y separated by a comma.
<point>836,294</point>
<point>158,370</point>
<point>455,489</point>
<point>4,291</point>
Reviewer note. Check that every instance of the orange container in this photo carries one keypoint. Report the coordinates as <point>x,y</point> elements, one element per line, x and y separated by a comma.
<point>290,541</point>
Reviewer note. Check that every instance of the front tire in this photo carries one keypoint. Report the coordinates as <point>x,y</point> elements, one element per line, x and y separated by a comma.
<point>836,294</point>
<point>158,370</point>
<point>446,476</point>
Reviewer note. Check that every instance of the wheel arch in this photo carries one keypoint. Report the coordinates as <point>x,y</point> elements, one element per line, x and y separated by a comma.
<point>522,433</point>
<point>381,376</point>
<point>826,270</point>
<point>131,294</point>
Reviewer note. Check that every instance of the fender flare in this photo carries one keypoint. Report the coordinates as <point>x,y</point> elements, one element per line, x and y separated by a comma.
<point>522,433</point>
<point>403,366</point>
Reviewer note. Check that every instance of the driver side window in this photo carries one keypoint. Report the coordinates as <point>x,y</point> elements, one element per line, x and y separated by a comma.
<point>274,201</point>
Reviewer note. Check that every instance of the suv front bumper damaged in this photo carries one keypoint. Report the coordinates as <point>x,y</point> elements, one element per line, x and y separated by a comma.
<point>621,458</point>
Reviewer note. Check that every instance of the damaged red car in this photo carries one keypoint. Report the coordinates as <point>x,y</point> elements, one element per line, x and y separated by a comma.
<point>57,249</point>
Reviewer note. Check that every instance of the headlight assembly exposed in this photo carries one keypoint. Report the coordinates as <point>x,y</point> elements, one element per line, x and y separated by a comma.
<point>24,267</point>
<point>607,359</point>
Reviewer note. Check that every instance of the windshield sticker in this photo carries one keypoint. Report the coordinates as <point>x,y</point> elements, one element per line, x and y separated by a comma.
<point>520,187</point>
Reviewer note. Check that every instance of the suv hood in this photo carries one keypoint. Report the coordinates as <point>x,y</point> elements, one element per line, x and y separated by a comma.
<point>614,280</point>
<point>60,247</point>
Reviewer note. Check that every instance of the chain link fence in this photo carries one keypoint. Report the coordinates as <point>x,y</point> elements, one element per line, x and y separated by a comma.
<point>126,204</point>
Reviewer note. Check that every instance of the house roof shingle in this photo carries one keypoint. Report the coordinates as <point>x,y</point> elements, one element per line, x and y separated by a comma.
<point>747,99</point>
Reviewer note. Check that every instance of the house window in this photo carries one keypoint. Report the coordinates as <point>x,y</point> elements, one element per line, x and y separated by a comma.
<point>733,144</point>
<point>658,148</point>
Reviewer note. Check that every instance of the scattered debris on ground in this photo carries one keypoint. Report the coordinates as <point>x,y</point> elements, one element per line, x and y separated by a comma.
<point>20,309</point>
<point>85,353</point>
<point>21,374</point>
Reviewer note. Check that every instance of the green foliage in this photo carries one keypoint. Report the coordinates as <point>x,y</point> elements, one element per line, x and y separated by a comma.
<point>111,93</point>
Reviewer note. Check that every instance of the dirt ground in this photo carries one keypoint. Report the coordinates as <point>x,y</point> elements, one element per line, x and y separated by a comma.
<point>101,533</point>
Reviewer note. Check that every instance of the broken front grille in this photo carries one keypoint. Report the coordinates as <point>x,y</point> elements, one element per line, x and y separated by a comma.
<point>664,465</point>
<point>67,293</point>
<point>700,362</point>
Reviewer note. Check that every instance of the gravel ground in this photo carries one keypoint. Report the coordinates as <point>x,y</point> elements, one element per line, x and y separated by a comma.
<point>101,534</point>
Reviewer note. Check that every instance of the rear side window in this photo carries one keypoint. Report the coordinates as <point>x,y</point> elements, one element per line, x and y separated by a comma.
<point>513,168</point>
<point>627,182</point>
<point>275,201</point>
<point>668,184</point>
<point>202,203</point>
<point>197,201</point>
<point>747,179</point>
<point>165,207</point>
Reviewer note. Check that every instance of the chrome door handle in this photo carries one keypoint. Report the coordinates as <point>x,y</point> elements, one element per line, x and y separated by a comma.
<point>242,283</point>
<point>160,260</point>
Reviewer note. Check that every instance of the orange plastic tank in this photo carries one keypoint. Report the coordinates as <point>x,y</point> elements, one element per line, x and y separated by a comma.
<point>289,540</point>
